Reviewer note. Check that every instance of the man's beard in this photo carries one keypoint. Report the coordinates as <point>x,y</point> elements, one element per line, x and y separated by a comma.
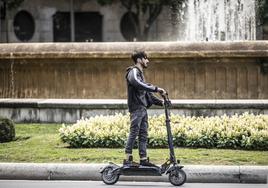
<point>144,65</point>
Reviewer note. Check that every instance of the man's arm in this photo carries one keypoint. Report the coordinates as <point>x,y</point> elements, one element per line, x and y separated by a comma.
<point>138,83</point>
<point>155,100</point>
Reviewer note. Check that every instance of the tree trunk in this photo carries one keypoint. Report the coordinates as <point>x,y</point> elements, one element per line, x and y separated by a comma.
<point>174,19</point>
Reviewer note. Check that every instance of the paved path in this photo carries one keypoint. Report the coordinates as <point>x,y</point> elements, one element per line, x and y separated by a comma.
<point>99,184</point>
<point>81,171</point>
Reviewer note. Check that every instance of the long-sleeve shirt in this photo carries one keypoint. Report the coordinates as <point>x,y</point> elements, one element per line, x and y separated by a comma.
<point>139,91</point>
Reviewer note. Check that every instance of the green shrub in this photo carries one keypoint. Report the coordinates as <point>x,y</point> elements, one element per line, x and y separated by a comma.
<point>7,130</point>
<point>246,131</point>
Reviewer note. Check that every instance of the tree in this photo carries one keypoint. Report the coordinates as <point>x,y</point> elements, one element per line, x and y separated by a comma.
<point>5,6</point>
<point>147,10</point>
<point>8,5</point>
<point>262,12</point>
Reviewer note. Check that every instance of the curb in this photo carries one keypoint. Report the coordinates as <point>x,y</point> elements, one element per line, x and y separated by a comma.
<point>80,171</point>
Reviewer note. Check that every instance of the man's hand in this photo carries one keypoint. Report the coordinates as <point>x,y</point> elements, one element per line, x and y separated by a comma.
<point>161,91</point>
<point>167,102</point>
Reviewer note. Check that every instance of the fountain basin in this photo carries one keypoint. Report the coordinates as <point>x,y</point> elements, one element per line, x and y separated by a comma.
<point>122,50</point>
<point>200,70</point>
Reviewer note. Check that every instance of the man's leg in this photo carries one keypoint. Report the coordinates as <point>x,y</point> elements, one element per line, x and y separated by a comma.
<point>136,119</point>
<point>143,135</point>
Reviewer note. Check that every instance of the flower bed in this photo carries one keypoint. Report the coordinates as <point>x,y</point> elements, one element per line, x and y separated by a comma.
<point>245,131</point>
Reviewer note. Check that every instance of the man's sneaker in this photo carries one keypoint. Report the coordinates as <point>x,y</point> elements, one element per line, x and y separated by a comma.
<point>130,162</point>
<point>146,162</point>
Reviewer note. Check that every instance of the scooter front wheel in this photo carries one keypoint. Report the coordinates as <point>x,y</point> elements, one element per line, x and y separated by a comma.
<point>177,177</point>
<point>109,176</point>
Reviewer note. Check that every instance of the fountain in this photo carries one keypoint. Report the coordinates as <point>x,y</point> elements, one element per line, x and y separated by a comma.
<point>12,89</point>
<point>233,69</point>
<point>218,20</point>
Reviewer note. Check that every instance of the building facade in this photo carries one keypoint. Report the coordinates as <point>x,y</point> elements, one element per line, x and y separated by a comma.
<point>49,21</point>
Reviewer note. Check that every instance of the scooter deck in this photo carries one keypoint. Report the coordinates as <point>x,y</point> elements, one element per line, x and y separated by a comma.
<point>140,171</point>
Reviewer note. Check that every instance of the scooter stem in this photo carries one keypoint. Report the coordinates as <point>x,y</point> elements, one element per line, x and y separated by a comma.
<point>169,133</point>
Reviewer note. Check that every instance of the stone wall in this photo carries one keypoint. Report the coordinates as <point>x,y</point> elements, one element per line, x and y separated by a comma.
<point>71,110</point>
<point>217,70</point>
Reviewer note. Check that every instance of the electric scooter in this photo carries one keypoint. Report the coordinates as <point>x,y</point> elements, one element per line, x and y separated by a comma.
<point>110,174</point>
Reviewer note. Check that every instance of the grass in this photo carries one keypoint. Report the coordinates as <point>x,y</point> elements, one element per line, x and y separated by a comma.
<point>40,143</point>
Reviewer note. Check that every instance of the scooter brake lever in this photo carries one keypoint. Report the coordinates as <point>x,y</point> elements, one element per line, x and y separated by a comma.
<point>168,102</point>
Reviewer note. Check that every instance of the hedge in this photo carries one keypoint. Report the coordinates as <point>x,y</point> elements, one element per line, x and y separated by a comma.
<point>7,130</point>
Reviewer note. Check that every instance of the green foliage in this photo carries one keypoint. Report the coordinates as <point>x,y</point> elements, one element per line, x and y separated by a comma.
<point>12,4</point>
<point>105,2</point>
<point>147,10</point>
<point>40,143</point>
<point>164,2</point>
<point>7,130</point>
<point>261,11</point>
<point>246,131</point>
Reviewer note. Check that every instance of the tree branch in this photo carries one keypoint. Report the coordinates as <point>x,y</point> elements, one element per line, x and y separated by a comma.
<point>127,4</point>
<point>154,11</point>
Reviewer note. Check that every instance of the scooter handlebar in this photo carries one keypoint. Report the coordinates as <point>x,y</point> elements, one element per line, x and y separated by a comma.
<point>167,102</point>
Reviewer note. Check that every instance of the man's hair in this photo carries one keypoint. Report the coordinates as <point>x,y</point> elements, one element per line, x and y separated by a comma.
<point>138,54</point>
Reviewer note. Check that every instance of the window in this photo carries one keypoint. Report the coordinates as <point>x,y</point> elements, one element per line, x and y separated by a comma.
<point>128,26</point>
<point>62,27</point>
<point>24,26</point>
<point>88,27</point>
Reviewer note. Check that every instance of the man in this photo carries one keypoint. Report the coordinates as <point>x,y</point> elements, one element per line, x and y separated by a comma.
<point>140,98</point>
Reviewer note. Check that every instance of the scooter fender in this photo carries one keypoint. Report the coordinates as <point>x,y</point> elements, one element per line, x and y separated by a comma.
<point>110,165</point>
<point>173,168</point>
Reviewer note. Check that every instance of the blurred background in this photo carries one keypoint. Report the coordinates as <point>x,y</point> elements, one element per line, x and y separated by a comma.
<point>200,50</point>
<point>132,20</point>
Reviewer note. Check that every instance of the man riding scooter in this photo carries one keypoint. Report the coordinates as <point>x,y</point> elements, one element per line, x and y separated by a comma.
<point>140,98</point>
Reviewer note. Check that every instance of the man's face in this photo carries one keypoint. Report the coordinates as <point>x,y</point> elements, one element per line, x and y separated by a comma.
<point>144,62</point>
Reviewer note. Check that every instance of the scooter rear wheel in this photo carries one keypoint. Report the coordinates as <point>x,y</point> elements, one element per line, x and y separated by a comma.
<point>108,176</point>
<point>177,177</point>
